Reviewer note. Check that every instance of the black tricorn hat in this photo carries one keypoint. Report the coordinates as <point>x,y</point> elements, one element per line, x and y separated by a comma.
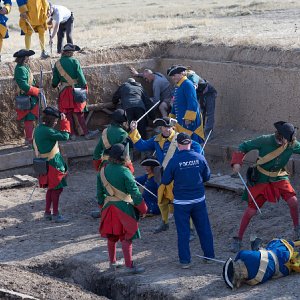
<point>177,69</point>
<point>183,138</point>
<point>150,161</point>
<point>23,53</point>
<point>52,111</point>
<point>117,151</point>
<point>287,130</point>
<point>70,47</point>
<point>165,121</point>
<point>119,116</point>
<point>228,272</point>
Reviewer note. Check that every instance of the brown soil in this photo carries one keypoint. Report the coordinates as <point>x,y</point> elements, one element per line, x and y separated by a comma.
<point>75,253</point>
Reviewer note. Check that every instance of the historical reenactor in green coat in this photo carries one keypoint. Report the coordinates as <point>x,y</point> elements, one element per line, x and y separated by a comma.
<point>115,133</point>
<point>68,74</point>
<point>268,180</point>
<point>45,144</point>
<point>26,87</point>
<point>121,201</point>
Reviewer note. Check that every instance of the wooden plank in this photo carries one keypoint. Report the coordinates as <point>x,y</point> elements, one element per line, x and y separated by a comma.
<point>26,179</point>
<point>9,294</point>
<point>226,182</point>
<point>7,183</point>
<point>17,181</point>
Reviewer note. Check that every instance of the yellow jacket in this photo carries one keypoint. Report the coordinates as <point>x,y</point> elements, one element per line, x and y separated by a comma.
<point>36,11</point>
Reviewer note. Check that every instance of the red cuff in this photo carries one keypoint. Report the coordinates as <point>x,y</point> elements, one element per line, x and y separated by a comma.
<point>65,125</point>
<point>87,88</point>
<point>96,163</point>
<point>237,158</point>
<point>130,166</point>
<point>142,207</point>
<point>33,91</point>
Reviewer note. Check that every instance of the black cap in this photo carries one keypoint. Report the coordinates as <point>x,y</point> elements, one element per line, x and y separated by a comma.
<point>23,53</point>
<point>177,69</point>
<point>119,116</point>
<point>165,121</point>
<point>150,161</point>
<point>228,272</point>
<point>117,151</point>
<point>183,138</point>
<point>70,47</point>
<point>52,111</point>
<point>285,129</point>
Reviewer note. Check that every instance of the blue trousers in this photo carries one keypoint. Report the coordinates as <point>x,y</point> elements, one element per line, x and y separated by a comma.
<point>198,213</point>
<point>209,112</point>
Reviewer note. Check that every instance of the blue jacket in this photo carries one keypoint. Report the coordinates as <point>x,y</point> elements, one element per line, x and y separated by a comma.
<point>251,260</point>
<point>3,19</point>
<point>189,170</point>
<point>151,185</point>
<point>160,145</point>
<point>186,107</point>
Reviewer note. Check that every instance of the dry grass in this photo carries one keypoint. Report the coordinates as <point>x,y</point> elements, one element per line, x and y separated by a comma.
<point>99,24</point>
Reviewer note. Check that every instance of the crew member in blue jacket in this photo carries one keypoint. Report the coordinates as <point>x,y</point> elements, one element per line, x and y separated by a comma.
<point>164,145</point>
<point>148,181</point>
<point>189,198</point>
<point>4,10</point>
<point>252,267</point>
<point>185,108</point>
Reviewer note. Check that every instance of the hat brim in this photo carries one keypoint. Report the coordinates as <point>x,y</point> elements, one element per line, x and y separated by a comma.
<point>176,70</point>
<point>162,122</point>
<point>228,272</point>
<point>52,111</point>
<point>150,162</point>
<point>23,53</point>
<point>69,49</point>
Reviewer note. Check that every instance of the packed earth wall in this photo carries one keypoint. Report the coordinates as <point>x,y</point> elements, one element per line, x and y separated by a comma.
<point>256,86</point>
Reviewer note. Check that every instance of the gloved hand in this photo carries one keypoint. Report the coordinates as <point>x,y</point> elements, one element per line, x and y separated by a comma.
<point>236,168</point>
<point>133,125</point>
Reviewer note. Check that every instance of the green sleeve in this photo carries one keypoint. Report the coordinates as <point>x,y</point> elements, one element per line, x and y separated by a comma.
<point>101,195</point>
<point>21,77</point>
<point>81,79</point>
<point>255,144</point>
<point>98,152</point>
<point>57,135</point>
<point>132,188</point>
<point>296,148</point>
<point>55,78</point>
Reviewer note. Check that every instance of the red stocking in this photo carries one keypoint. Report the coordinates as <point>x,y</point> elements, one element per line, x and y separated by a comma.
<point>127,252</point>
<point>293,205</point>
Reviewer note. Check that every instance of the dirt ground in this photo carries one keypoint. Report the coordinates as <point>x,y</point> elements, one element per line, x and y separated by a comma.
<point>265,23</point>
<point>32,249</point>
<point>75,253</point>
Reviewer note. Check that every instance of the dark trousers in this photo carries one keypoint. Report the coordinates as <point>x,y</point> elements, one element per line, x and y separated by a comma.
<point>198,213</point>
<point>133,114</point>
<point>67,28</point>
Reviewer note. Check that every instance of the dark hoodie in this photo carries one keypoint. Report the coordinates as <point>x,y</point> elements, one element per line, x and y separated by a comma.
<point>131,95</point>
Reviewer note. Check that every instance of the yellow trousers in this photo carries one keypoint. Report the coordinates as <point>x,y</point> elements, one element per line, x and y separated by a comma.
<point>165,207</point>
<point>1,43</point>
<point>41,32</point>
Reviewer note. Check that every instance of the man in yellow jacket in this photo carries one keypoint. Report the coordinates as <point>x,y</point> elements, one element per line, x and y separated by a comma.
<point>3,28</point>
<point>33,17</point>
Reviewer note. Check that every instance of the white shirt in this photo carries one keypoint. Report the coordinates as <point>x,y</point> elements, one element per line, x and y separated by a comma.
<point>60,14</point>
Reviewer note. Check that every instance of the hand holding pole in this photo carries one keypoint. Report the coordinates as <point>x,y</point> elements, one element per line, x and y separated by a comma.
<point>244,183</point>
